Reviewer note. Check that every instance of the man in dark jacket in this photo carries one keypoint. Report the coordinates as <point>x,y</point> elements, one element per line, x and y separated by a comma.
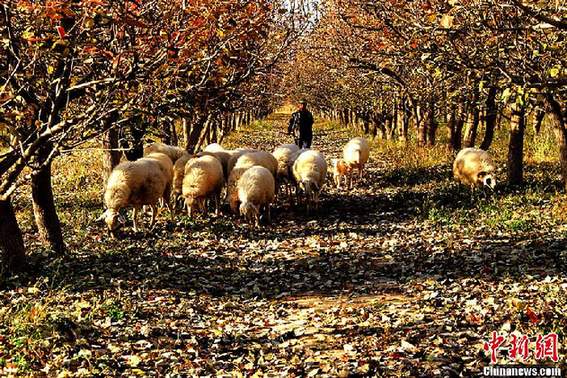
<point>302,119</point>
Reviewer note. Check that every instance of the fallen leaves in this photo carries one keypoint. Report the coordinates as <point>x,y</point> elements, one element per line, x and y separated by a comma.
<point>374,284</point>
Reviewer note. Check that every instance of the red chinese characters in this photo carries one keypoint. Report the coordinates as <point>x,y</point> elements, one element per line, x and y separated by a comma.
<point>518,347</point>
<point>546,347</point>
<point>493,345</point>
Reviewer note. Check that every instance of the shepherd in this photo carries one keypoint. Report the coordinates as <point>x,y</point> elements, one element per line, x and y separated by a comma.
<point>302,120</point>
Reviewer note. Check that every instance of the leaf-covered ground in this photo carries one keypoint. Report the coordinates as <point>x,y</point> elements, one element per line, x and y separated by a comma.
<point>405,276</point>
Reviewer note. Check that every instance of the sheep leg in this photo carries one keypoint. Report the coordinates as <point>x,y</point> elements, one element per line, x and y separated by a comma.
<point>188,207</point>
<point>204,209</point>
<point>268,214</point>
<point>153,218</point>
<point>217,204</point>
<point>167,196</point>
<point>134,217</point>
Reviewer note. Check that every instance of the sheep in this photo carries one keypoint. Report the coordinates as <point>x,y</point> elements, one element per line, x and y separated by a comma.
<point>173,152</point>
<point>256,191</point>
<point>285,155</point>
<point>166,167</point>
<point>310,171</point>
<point>474,167</point>
<point>248,160</point>
<point>355,155</point>
<point>222,156</point>
<point>214,147</point>
<point>133,183</point>
<point>178,175</point>
<point>234,156</point>
<point>203,179</point>
<point>179,170</point>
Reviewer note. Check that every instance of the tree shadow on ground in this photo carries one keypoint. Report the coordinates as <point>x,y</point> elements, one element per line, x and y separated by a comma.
<point>332,270</point>
<point>228,264</point>
<point>414,175</point>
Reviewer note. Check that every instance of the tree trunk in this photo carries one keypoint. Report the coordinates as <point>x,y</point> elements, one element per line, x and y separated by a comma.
<point>452,128</point>
<point>459,124</point>
<point>137,132</point>
<point>186,133</point>
<point>470,130</point>
<point>173,128</point>
<point>44,210</point>
<point>516,145</point>
<point>539,115</point>
<point>490,119</point>
<point>374,127</point>
<point>166,130</point>
<point>390,128</point>
<point>111,157</point>
<point>432,125</point>
<point>366,125</point>
<point>206,132</point>
<point>403,121</point>
<point>195,134</point>
<point>558,118</point>
<point>11,241</point>
<point>421,122</point>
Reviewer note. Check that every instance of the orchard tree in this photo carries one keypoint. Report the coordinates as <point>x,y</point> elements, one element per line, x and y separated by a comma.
<point>76,70</point>
<point>461,63</point>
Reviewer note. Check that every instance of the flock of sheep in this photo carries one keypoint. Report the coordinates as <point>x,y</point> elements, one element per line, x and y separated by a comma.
<point>250,179</point>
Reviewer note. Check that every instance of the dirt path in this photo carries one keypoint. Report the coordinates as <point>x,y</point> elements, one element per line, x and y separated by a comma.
<point>373,284</point>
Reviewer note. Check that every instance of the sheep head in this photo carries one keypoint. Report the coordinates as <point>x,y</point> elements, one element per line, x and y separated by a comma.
<point>310,188</point>
<point>486,178</point>
<point>195,204</point>
<point>113,220</point>
<point>249,211</point>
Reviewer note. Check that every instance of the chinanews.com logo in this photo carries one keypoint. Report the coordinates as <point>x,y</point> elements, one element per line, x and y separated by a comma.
<point>520,348</point>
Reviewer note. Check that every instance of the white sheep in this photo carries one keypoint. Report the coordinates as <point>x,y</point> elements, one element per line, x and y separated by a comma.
<point>355,156</point>
<point>203,179</point>
<point>134,183</point>
<point>256,191</point>
<point>166,167</point>
<point>244,162</point>
<point>474,167</point>
<point>178,175</point>
<point>173,152</point>
<point>214,147</point>
<point>285,155</point>
<point>310,171</point>
<point>223,156</point>
<point>234,156</point>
